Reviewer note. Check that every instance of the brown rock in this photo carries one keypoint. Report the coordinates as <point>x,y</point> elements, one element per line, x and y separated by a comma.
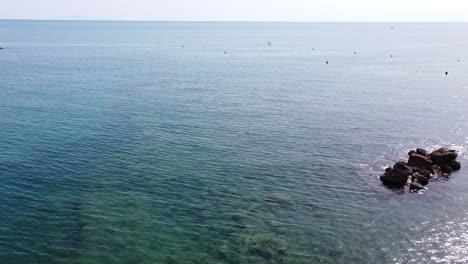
<point>415,185</point>
<point>437,170</point>
<point>403,168</point>
<point>446,169</point>
<point>420,166</point>
<point>425,173</point>
<point>455,165</point>
<point>421,151</point>
<point>394,178</point>
<point>420,161</point>
<point>420,178</point>
<point>443,156</point>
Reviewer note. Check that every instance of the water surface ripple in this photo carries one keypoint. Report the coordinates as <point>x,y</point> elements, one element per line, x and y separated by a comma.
<point>118,145</point>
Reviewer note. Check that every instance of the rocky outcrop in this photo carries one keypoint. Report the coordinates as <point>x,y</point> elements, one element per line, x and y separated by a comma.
<point>436,170</point>
<point>415,185</point>
<point>421,151</point>
<point>421,166</point>
<point>455,165</point>
<point>419,161</point>
<point>422,179</point>
<point>394,178</point>
<point>403,168</point>
<point>398,175</point>
<point>443,156</point>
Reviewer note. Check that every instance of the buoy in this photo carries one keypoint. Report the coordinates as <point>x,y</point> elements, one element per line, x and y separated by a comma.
<point>225,52</point>
<point>354,52</point>
<point>446,73</point>
<point>327,62</point>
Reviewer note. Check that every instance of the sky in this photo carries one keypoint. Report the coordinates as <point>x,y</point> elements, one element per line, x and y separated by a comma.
<point>240,10</point>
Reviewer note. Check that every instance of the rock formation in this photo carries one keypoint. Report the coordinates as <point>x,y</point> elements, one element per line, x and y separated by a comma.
<point>421,166</point>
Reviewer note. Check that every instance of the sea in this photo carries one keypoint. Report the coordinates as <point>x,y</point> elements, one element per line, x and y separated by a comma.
<point>229,142</point>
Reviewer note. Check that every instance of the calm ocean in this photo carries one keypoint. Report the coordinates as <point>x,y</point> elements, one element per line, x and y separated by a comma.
<point>164,142</point>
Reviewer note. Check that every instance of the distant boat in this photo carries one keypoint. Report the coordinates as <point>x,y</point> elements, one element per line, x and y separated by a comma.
<point>269,43</point>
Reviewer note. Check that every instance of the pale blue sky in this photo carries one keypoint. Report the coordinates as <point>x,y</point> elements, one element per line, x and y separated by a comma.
<point>238,10</point>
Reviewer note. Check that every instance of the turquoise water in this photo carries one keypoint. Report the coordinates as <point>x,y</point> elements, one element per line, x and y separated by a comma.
<point>143,142</point>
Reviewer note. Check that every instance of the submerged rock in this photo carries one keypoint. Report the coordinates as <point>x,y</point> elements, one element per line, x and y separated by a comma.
<point>267,247</point>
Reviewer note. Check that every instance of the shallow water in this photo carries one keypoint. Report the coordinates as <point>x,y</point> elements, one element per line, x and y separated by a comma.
<point>143,142</point>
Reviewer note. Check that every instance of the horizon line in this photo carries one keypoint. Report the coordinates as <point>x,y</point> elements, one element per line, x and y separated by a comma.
<point>221,21</point>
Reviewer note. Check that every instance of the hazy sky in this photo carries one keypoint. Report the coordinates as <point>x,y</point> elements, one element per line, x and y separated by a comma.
<point>234,10</point>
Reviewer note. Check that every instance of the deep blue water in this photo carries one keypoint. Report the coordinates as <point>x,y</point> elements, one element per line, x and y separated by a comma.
<point>143,142</point>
